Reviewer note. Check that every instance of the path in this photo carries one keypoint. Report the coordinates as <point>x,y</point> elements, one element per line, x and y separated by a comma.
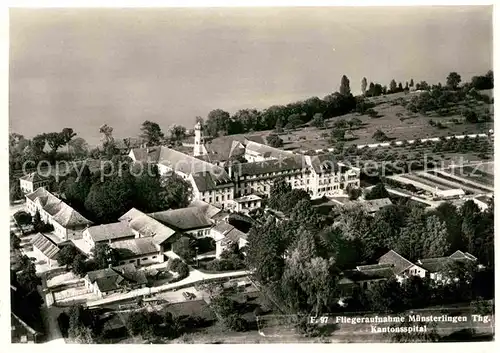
<point>194,277</point>
<point>399,143</point>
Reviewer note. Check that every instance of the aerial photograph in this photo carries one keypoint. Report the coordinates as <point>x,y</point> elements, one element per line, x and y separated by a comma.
<point>251,175</point>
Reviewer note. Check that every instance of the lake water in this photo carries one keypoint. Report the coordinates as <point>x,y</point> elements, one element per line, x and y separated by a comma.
<point>83,68</point>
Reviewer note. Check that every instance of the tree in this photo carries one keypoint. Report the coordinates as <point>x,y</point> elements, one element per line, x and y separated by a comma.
<point>345,89</point>
<point>400,87</point>
<point>151,133</point>
<point>108,200</point>
<point>412,83</point>
<point>55,140</point>
<point>354,193</point>
<point>79,265</point>
<point>67,255</point>
<point>279,126</point>
<point>363,86</point>
<point>380,136</point>
<point>318,121</point>
<point>435,242</point>
<point>184,247</point>
<point>377,192</point>
<point>293,121</point>
<point>393,86</point>
<point>274,140</point>
<point>453,80</point>
<point>218,121</point>
<point>177,133</point>
<point>265,251</point>
<point>105,255</point>
<point>22,218</point>
<point>15,242</point>
<point>79,147</point>
<point>178,191</point>
<point>15,191</point>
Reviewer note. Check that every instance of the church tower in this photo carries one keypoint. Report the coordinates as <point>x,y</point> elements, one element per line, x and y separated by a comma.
<point>199,143</point>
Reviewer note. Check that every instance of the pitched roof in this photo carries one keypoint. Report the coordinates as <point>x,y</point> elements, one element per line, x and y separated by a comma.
<point>113,278</point>
<point>399,262</point>
<point>33,177</point>
<point>270,166</point>
<point>137,246</point>
<point>229,232</point>
<point>147,226</point>
<point>267,151</point>
<point>209,209</point>
<point>247,198</point>
<point>436,264</point>
<point>183,219</point>
<point>324,163</point>
<point>459,255</point>
<point>61,212</point>
<point>110,231</point>
<point>45,245</point>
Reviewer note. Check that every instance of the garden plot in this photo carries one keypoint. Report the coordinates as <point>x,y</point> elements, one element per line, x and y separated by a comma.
<point>449,184</point>
<point>465,182</point>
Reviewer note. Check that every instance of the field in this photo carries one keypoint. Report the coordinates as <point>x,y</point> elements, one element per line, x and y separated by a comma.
<point>394,120</point>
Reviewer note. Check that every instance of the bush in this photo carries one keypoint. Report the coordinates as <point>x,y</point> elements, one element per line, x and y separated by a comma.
<point>63,321</point>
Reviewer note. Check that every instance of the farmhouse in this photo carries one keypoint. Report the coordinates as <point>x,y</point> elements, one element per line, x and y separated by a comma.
<point>68,223</point>
<point>45,249</point>
<point>31,182</point>
<point>116,279</point>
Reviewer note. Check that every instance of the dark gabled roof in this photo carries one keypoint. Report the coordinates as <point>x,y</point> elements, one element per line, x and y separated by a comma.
<point>324,163</point>
<point>183,219</point>
<point>110,231</point>
<point>147,226</point>
<point>267,151</point>
<point>459,255</point>
<point>399,262</point>
<point>45,245</point>
<point>436,264</point>
<point>136,246</point>
<point>206,181</point>
<point>230,233</point>
<point>33,177</point>
<point>113,278</point>
<point>62,213</point>
<point>270,166</point>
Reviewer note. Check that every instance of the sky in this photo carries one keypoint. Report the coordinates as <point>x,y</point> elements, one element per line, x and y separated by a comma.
<point>81,68</point>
